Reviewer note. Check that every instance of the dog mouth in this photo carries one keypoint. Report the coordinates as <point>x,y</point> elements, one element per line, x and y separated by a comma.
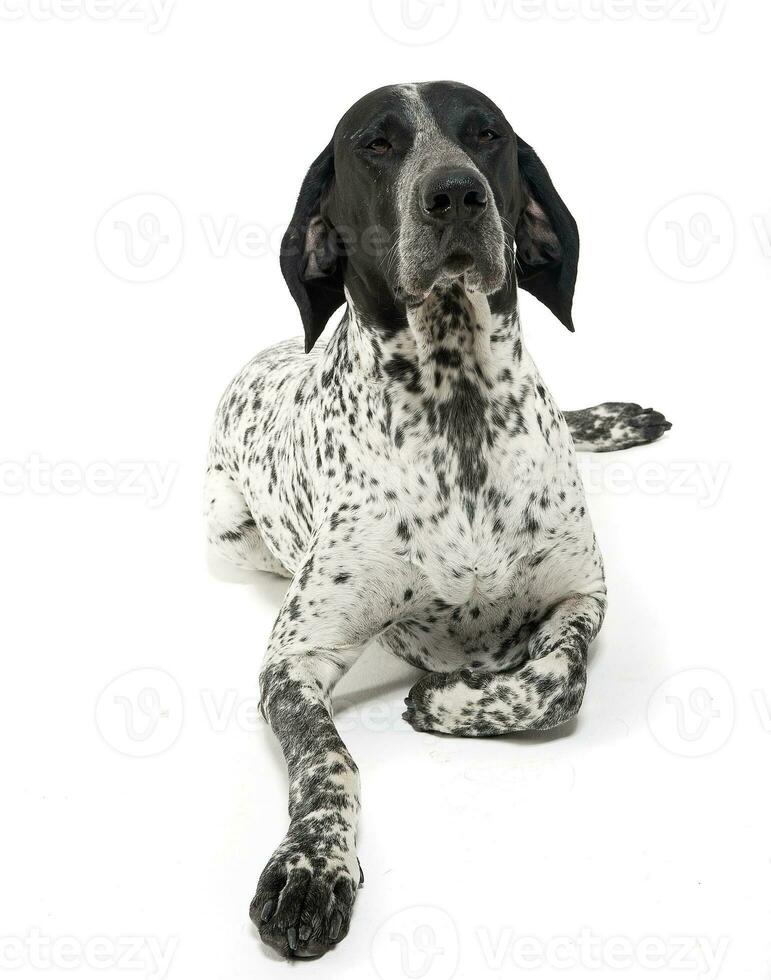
<point>429,257</point>
<point>480,265</point>
<point>457,263</point>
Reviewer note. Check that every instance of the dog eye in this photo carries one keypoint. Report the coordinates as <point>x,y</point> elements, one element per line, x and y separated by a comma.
<point>487,136</point>
<point>379,146</point>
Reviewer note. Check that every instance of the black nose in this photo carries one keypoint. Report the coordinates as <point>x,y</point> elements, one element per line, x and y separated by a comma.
<point>452,195</point>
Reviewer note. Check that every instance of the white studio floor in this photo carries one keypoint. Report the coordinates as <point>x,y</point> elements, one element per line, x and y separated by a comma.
<point>634,840</point>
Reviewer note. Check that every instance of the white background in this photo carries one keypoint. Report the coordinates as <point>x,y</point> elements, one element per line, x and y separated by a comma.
<point>141,796</point>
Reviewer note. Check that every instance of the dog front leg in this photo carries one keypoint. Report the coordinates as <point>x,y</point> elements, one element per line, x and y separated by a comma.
<point>306,893</point>
<point>542,693</point>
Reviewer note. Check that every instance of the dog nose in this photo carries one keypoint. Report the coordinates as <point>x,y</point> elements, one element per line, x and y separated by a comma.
<point>452,195</point>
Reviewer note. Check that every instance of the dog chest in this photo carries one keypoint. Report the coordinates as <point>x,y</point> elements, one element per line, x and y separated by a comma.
<point>499,545</point>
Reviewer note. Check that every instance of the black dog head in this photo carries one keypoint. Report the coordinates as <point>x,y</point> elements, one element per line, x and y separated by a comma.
<point>419,185</point>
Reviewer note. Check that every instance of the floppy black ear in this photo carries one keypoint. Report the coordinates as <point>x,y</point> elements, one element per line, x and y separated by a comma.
<point>311,252</point>
<point>546,238</point>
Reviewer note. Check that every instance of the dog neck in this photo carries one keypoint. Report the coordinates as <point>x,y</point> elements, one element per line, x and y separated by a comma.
<point>452,335</point>
<point>447,386</point>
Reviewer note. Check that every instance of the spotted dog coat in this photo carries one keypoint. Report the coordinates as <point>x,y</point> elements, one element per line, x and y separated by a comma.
<point>417,483</point>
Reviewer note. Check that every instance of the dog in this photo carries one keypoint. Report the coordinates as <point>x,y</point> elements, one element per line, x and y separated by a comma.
<point>413,477</point>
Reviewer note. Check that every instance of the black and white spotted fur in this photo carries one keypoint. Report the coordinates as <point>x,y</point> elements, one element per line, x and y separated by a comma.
<point>412,476</point>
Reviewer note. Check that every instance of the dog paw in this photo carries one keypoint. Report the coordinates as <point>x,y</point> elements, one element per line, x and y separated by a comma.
<point>444,703</point>
<point>302,907</point>
<point>630,425</point>
<point>643,424</point>
<point>417,717</point>
<point>615,425</point>
<point>418,702</point>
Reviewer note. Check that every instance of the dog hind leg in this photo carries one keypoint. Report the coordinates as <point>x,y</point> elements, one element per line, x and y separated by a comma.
<point>615,425</point>
<point>230,527</point>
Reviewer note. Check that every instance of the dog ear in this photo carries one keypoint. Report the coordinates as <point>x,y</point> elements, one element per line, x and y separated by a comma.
<point>311,253</point>
<point>546,238</point>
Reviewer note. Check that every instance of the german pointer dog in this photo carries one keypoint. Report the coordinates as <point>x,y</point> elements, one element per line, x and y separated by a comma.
<point>412,477</point>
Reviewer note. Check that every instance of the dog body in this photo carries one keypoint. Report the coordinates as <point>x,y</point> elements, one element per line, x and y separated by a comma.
<point>332,468</point>
<point>413,476</point>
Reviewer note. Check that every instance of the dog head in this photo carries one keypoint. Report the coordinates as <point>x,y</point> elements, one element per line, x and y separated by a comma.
<point>420,185</point>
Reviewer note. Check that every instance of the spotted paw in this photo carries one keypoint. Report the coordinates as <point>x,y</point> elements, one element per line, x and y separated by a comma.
<point>416,715</point>
<point>419,701</point>
<point>615,425</point>
<point>445,703</point>
<point>637,426</point>
<point>303,907</point>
